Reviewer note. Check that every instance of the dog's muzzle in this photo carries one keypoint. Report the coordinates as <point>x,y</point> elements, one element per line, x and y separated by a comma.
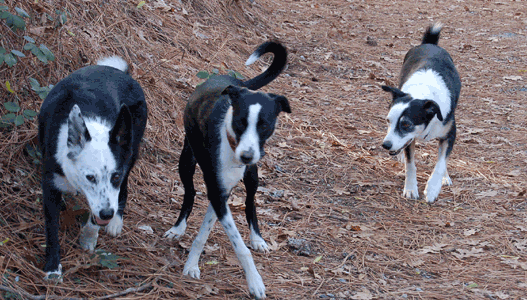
<point>396,152</point>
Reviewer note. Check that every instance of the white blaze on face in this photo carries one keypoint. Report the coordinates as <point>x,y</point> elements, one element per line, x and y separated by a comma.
<point>250,140</point>
<point>393,117</point>
<point>95,159</point>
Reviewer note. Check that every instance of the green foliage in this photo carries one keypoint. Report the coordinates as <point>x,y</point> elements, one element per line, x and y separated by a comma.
<point>106,259</point>
<point>206,75</point>
<point>17,22</point>
<point>16,116</point>
<point>42,91</point>
<point>35,154</point>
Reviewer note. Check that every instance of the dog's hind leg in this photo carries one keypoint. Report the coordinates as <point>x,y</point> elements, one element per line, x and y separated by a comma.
<point>440,174</point>
<point>52,198</point>
<point>191,267</point>
<point>250,179</point>
<point>187,167</point>
<point>410,182</point>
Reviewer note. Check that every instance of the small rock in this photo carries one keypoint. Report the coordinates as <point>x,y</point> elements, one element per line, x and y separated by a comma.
<point>371,41</point>
<point>300,247</point>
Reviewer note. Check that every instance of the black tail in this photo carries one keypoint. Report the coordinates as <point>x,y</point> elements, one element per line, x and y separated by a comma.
<point>276,67</point>
<point>432,34</point>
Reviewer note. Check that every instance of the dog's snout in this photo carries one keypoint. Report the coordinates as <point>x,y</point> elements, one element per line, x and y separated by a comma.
<point>387,145</point>
<point>247,156</point>
<point>106,214</point>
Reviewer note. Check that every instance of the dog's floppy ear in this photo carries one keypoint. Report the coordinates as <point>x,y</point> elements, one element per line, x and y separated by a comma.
<point>396,93</point>
<point>431,108</point>
<point>78,134</point>
<point>121,133</point>
<point>282,103</point>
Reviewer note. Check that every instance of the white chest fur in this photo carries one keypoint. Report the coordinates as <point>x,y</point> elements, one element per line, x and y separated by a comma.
<point>230,170</point>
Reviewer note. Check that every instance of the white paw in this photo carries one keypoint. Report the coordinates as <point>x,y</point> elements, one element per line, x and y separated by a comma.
<point>176,232</point>
<point>411,193</point>
<point>258,244</point>
<point>192,271</point>
<point>88,236</point>
<point>115,226</point>
<point>256,286</point>
<point>54,276</point>
<point>446,180</point>
<point>432,191</point>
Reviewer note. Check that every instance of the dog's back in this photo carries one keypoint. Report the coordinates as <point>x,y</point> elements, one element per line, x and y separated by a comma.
<point>99,92</point>
<point>429,56</point>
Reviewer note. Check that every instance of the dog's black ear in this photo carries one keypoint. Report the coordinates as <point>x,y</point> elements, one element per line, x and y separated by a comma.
<point>282,103</point>
<point>121,133</point>
<point>396,93</point>
<point>78,134</point>
<point>432,109</point>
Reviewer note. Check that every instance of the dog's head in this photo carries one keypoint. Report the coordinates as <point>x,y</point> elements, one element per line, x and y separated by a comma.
<point>252,121</point>
<point>408,119</point>
<point>98,157</point>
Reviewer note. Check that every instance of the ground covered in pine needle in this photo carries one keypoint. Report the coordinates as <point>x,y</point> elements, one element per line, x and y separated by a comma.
<point>330,204</point>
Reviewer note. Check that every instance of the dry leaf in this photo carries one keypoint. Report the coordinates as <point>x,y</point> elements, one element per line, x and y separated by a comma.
<point>146,229</point>
<point>364,295</point>
<point>431,249</point>
<point>469,232</point>
<point>490,193</point>
<point>462,253</point>
<point>513,78</point>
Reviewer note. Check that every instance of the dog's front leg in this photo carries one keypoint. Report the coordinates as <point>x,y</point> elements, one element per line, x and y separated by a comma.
<point>52,198</point>
<point>191,266</point>
<point>254,280</point>
<point>89,235</point>
<point>115,227</point>
<point>440,174</point>
<point>410,182</point>
<point>250,180</point>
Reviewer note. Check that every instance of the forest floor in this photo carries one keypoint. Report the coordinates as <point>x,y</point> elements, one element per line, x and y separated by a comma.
<point>330,203</point>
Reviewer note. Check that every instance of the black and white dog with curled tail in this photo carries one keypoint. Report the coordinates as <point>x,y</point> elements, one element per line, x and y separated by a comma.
<point>226,126</point>
<point>90,127</point>
<point>423,109</point>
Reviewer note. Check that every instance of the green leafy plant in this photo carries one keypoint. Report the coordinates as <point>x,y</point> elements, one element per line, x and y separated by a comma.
<point>35,154</point>
<point>17,22</point>
<point>42,91</point>
<point>16,116</point>
<point>106,259</point>
<point>42,52</point>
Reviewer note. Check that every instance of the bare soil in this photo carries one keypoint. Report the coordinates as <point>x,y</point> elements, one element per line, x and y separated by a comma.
<point>330,203</point>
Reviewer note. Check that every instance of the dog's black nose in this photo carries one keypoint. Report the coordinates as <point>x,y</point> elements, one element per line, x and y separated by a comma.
<point>106,214</point>
<point>246,157</point>
<point>387,145</point>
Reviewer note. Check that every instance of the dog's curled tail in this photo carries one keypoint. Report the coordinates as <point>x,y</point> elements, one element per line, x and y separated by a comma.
<point>114,62</point>
<point>276,67</point>
<point>432,34</point>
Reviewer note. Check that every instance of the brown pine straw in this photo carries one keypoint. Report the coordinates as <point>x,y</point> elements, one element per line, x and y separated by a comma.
<point>326,184</point>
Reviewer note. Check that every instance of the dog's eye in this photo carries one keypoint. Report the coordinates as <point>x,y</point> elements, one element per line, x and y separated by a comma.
<point>262,125</point>
<point>91,178</point>
<point>406,125</point>
<point>116,177</point>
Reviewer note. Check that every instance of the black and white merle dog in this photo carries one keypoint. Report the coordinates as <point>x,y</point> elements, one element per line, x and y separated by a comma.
<point>226,126</point>
<point>90,127</point>
<point>423,109</point>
